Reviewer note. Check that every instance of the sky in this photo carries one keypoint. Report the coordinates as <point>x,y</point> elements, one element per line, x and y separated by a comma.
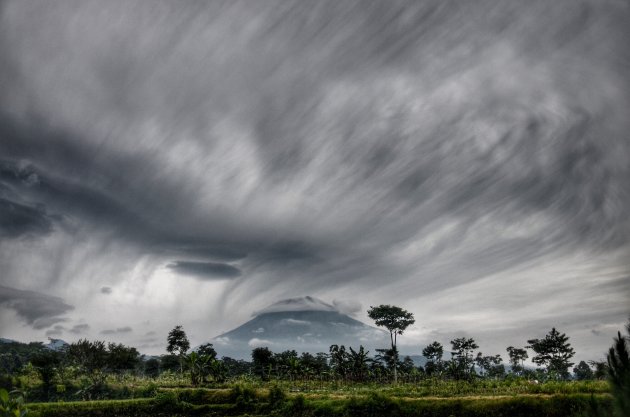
<point>166,163</point>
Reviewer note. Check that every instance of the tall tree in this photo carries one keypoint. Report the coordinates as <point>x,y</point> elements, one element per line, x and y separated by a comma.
<point>262,359</point>
<point>517,359</point>
<point>462,363</point>
<point>490,366</point>
<point>582,371</point>
<point>207,350</point>
<point>338,360</point>
<point>619,372</point>
<point>178,344</point>
<point>359,361</point>
<point>433,353</point>
<point>554,352</point>
<point>92,359</point>
<point>394,319</point>
<point>122,358</point>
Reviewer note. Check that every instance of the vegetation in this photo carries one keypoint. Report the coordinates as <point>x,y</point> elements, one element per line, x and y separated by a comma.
<point>345,381</point>
<point>553,352</point>
<point>394,319</point>
<point>619,372</point>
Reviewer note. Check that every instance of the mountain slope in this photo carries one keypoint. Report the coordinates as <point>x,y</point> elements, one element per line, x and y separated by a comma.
<point>305,324</point>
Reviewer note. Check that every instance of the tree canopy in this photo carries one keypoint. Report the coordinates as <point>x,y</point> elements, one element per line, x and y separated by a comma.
<point>554,352</point>
<point>394,319</point>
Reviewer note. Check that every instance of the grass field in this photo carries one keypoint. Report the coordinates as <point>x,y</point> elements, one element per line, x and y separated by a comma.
<point>436,398</point>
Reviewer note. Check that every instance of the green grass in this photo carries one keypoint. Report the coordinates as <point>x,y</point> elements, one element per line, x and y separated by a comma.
<point>242,401</point>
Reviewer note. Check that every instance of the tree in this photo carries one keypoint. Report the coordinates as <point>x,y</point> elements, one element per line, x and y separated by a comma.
<point>433,353</point>
<point>122,358</point>
<point>394,319</point>
<point>490,366</point>
<point>358,363</point>
<point>207,350</point>
<point>554,352</point>
<point>262,359</point>
<point>46,364</point>
<point>600,369</point>
<point>152,368</point>
<point>178,344</point>
<point>517,358</point>
<point>462,363</point>
<point>582,371</point>
<point>338,360</point>
<point>619,372</point>
<point>199,366</point>
<point>92,359</point>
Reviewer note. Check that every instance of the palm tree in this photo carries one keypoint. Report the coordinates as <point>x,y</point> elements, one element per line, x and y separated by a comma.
<point>359,361</point>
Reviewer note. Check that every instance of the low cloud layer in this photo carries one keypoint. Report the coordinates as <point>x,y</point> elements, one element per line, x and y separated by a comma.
<point>38,310</point>
<point>119,330</point>
<point>465,161</point>
<point>205,270</point>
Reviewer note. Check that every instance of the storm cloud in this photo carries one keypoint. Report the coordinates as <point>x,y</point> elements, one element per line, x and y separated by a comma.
<point>37,309</point>
<point>468,158</point>
<point>205,270</point>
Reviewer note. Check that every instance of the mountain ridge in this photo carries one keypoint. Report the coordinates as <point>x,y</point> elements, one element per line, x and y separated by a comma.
<point>304,324</point>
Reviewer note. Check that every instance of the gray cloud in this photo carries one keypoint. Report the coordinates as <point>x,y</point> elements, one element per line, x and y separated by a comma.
<point>37,309</point>
<point>57,330</point>
<point>206,270</point>
<point>18,219</point>
<point>79,328</point>
<point>106,290</point>
<point>434,145</point>
<point>119,330</point>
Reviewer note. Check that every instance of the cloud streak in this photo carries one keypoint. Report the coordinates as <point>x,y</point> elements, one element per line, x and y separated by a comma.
<point>403,151</point>
<point>37,309</point>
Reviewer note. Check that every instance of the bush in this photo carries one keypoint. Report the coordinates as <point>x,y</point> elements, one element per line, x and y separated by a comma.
<point>277,397</point>
<point>12,404</point>
<point>375,405</point>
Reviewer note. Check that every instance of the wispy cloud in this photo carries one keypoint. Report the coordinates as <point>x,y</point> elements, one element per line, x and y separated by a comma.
<point>402,151</point>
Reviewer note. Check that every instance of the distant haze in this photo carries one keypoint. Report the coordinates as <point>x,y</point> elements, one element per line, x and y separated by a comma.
<point>192,163</point>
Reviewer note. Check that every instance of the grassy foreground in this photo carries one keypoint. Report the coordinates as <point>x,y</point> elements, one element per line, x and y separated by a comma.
<point>242,400</point>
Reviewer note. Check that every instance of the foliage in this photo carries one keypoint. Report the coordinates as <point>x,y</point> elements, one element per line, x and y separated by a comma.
<point>178,344</point>
<point>490,366</point>
<point>517,358</point>
<point>394,319</point>
<point>91,358</point>
<point>582,371</point>
<point>12,404</point>
<point>461,365</point>
<point>262,359</point>
<point>207,349</point>
<point>177,341</point>
<point>554,352</point>
<point>433,352</point>
<point>619,372</point>
<point>121,358</point>
<point>46,363</point>
<point>15,355</point>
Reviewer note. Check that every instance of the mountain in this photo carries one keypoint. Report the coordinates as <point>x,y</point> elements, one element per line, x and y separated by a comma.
<point>305,324</point>
<point>56,344</point>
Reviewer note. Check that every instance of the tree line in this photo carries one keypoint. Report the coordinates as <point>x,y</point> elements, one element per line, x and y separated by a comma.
<point>96,360</point>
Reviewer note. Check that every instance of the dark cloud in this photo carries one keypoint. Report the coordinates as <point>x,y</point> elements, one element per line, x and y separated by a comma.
<point>55,331</point>
<point>37,309</point>
<point>18,219</point>
<point>307,149</point>
<point>206,270</point>
<point>79,328</point>
<point>119,330</point>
